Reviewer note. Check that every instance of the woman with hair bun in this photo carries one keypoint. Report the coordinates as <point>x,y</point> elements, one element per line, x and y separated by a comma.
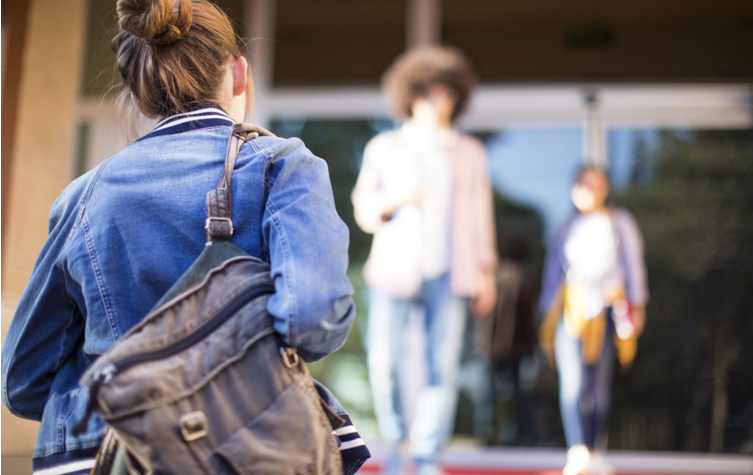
<point>425,194</point>
<point>123,233</point>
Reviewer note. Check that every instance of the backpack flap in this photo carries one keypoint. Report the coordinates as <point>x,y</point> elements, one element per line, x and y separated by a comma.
<point>181,344</point>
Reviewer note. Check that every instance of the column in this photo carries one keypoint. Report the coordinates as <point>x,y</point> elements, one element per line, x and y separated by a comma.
<point>594,131</point>
<point>424,23</point>
<point>42,159</point>
<point>260,19</point>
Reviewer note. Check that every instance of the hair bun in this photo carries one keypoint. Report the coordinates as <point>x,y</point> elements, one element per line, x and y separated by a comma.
<point>155,21</point>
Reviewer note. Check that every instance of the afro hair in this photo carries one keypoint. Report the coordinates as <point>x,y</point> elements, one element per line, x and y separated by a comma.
<point>416,70</point>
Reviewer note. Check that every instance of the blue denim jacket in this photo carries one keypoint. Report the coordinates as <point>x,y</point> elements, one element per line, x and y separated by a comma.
<point>123,233</point>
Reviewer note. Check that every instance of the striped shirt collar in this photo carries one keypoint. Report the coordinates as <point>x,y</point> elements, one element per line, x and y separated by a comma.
<point>207,114</point>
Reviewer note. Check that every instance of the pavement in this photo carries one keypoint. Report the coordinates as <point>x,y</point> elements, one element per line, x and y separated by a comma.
<point>529,461</point>
<point>534,461</point>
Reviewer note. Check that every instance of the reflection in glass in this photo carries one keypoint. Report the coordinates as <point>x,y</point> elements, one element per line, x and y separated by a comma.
<point>690,386</point>
<point>691,192</point>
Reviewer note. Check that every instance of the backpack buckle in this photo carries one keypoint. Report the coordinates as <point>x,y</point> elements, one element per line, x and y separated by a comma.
<point>208,226</point>
<point>193,426</point>
<point>289,357</point>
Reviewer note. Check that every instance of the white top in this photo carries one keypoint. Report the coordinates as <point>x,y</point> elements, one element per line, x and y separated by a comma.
<point>592,258</point>
<point>432,169</point>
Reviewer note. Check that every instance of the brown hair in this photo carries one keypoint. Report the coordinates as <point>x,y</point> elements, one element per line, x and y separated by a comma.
<point>172,54</point>
<point>415,71</point>
<point>588,168</point>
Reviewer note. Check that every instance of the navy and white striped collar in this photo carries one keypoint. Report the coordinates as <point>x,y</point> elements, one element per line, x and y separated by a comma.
<point>204,115</point>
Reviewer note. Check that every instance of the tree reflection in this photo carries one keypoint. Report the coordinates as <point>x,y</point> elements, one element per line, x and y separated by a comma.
<point>690,388</point>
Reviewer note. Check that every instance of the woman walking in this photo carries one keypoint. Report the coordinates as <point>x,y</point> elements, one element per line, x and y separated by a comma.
<point>424,193</point>
<point>594,293</point>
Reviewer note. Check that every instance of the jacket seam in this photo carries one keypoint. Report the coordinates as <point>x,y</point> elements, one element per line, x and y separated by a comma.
<point>101,284</point>
<point>68,324</point>
<point>76,445</point>
<point>64,417</point>
<point>258,149</point>
<point>266,189</point>
<point>85,202</point>
<point>289,280</point>
<point>97,442</point>
<point>267,184</point>
<point>6,399</point>
<point>5,377</point>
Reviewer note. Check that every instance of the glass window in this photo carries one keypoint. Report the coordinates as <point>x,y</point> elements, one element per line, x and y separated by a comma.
<point>690,192</point>
<point>515,402</point>
<point>341,144</point>
<point>534,166</point>
<point>531,171</point>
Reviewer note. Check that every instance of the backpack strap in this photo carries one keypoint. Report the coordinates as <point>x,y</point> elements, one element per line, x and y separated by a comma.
<point>219,225</point>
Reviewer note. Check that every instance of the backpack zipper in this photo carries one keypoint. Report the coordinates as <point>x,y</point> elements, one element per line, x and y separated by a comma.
<point>109,371</point>
<point>106,374</point>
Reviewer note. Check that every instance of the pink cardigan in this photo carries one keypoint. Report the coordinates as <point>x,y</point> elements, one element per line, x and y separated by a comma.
<point>473,235</point>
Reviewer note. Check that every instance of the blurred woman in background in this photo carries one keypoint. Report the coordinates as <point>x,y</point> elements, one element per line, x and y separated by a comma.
<point>593,294</point>
<point>424,192</point>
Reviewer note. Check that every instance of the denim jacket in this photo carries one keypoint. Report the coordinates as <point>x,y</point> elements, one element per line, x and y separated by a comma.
<point>123,233</point>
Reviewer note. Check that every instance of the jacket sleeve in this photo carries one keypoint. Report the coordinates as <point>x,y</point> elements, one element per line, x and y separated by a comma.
<point>308,249</point>
<point>553,272</point>
<point>46,328</point>
<point>633,263</point>
<point>487,233</point>
<point>369,201</point>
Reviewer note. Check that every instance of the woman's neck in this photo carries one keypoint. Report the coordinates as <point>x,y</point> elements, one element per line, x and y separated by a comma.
<point>601,209</point>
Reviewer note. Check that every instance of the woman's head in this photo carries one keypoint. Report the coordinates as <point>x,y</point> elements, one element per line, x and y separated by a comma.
<point>428,80</point>
<point>175,54</point>
<point>590,189</point>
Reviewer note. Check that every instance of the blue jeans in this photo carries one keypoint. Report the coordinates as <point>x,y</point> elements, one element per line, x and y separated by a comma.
<point>585,390</point>
<point>435,408</point>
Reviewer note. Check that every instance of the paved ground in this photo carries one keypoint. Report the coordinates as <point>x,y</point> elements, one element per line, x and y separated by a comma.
<point>520,461</point>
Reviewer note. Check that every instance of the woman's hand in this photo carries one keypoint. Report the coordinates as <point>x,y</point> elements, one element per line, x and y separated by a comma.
<point>412,197</point>
<point>638,314</point>
<point>483,301</point>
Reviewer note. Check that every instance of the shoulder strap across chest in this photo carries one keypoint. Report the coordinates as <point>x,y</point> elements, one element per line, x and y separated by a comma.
<point>219,225</point>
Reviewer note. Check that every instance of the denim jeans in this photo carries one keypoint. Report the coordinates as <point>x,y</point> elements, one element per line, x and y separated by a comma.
<point>443,326</point>
<point>585,390</point>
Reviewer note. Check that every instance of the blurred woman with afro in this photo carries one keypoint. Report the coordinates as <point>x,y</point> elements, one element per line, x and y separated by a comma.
<point>424,192</point>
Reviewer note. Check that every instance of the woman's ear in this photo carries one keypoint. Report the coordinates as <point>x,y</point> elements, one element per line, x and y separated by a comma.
<point>141,108</point>
<point>240,69</point>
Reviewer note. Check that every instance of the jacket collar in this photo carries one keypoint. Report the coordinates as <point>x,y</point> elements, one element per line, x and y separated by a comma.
<point>207,114</point>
